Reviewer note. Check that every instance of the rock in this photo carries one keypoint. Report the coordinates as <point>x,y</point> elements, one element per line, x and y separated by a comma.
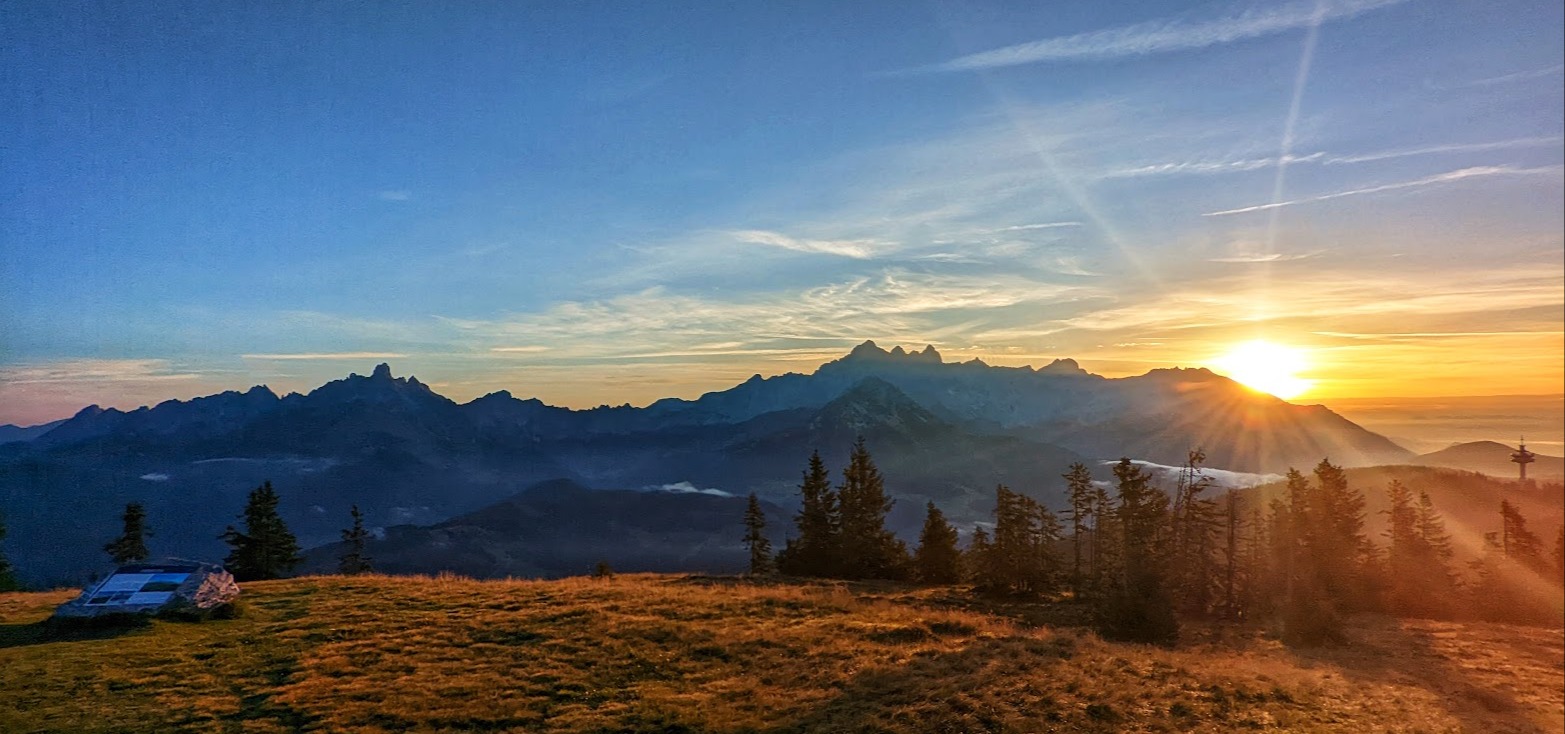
<point>171,586</point>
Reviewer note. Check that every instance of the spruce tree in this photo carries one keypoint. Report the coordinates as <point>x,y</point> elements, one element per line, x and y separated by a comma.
<point>755,538</point>
<point>869,550</point>
<point>978,559</point>
<point>8,580</point>
<point>815,552</point>
<point>1194,526</point>
<point>1407,556</point>
<point>1139,607</point>
<point>1079,490</point>
<point>1343,554</point>
<point>1519,543</point>
<point>265,549</point>
<point>937,560</point>
<point>355,558</point>
<point>1559,557</point>
<point>131,546</point>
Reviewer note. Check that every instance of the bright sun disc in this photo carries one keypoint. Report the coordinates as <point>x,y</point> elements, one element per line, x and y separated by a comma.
<point>1268,367</point>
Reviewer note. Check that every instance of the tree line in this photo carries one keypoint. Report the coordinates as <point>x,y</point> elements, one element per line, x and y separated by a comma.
<point>1141,558</point>
<point>262,548</point>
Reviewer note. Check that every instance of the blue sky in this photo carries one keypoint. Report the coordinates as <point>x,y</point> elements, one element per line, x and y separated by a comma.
<point>600,203</point>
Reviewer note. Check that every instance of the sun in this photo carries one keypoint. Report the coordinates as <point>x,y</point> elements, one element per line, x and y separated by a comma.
<point>1267,367</point>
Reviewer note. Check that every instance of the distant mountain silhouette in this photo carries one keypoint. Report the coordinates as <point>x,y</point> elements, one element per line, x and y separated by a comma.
<point>1494,459</point>
<point>13,434</point>
<point>560,528</point>
<point>407,455</point>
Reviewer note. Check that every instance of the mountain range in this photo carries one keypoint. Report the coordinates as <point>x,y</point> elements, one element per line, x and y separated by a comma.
<point>406,455</point>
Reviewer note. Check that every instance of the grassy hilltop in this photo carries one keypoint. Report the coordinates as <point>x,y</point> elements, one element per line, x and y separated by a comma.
<point>686,654</point>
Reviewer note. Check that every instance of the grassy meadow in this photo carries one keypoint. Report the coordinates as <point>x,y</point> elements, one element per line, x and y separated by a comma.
<point>649,653</point>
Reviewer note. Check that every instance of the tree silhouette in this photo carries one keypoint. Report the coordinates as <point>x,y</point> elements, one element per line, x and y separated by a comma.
<point>8,580</point>
<point>1139,607</point>
<point>937,560</point>
<point>355,559</point>
<point>1082,514</point>
<point>814,552</point>
<point>266,549</point>
<point>868,549</point>
<point>132,544</point>
<point>755,538</point>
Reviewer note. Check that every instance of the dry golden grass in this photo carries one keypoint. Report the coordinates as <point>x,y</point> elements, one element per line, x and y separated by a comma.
<point>682,654</point>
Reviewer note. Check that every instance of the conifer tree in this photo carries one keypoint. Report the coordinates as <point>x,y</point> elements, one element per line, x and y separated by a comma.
<point>265,549</point>
<point>1139,607</point>
<point>1194,518</point>
<point>869,550</point>
<point>755,538</point>
<point>1519,543</point>
<point>8,580</point>
<point>1082,513</point>
<point>815,551</point>
<point>976,560</point>
<point>1408,556</point>
<point>131,546</point>
<point>937,560</point>
<point>1559,557</point>
<point>355,558</point>
<point>1236,572</point>
<point>1343,554</point>
<point>1022,559</point>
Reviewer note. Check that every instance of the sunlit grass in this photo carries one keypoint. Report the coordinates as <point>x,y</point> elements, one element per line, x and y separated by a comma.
<point>664,653</point>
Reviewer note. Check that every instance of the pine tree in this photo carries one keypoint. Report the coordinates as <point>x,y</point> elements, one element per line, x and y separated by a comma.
<point>8,580</point>
<point>1022,559</point>
<point>1407,554</point>
<point>1519,543</point>
<point>1344,556</point>
<point>1559,557</point>
<point>131,546</point>
<point>1194,572</point>
<point>355,559</point>
<point>815,552</point>
<point>1079,489</point>
<point>755,538</point>
<point>1139,607</point>
<point>1309,553</point>
<point>1234,596</point>
<point>266,549</point>
<point>869,550</point>
<point>937,559</point>
<point>977,560</point>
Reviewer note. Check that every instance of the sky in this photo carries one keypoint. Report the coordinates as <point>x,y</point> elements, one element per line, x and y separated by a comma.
<point>600,203</point>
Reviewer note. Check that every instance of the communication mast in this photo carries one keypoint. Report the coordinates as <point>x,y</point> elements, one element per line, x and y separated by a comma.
<point>1523,457</point>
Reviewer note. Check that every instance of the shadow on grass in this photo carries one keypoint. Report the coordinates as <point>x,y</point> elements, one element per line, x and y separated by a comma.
<point>981,687</point>
<point>1386,650</point>
<point>50,631</point>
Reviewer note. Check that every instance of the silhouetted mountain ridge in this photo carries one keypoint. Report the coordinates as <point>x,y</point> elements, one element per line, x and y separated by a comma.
<point>405,454</point>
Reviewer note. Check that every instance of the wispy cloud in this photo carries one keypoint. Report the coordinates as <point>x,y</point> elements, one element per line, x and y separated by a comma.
<point>527,349</point>
<point>1451,148</point>
<point>1423,335</point>
<point>1513,77</point>
<point>858,249</point>
<point>1041,225</point>
<point>1437,179</point>
<point>1272,257</point>
<point>1200,167</point>
<point>94,371</point>
<point>326,356</point>
<point>1164,36</point>
<point>394,195</point>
